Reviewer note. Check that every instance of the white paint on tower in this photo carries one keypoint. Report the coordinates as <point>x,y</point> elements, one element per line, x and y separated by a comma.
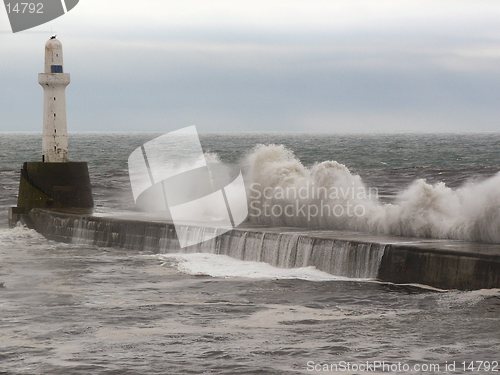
<point>54,82</point>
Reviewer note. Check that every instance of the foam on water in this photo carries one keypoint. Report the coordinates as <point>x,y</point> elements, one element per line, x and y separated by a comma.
<point>20,234</point>
<point>224,266</point>
<point>467,299</point>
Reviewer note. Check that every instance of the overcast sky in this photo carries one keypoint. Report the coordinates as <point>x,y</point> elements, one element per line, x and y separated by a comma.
<point>264,65</point>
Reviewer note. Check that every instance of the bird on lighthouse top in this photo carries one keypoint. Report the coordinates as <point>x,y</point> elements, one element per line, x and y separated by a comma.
<point>53,54</point>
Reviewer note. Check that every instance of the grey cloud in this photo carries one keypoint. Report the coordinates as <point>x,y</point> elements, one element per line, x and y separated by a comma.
<point>419,80</point>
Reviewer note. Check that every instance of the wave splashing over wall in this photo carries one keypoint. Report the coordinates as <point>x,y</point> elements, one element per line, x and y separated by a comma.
<point>327,195</point>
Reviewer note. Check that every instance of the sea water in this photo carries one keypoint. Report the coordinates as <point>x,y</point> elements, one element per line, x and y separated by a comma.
<point>76,309</point>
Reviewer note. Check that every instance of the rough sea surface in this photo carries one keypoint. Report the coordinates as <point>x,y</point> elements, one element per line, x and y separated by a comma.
<point>75,309</point>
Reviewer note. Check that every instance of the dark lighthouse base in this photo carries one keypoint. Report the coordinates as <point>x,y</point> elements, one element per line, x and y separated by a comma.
<point>52,186</point>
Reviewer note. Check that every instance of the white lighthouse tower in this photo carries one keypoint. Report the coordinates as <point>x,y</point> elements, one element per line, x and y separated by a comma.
<point>54,82</point>
<point>55,182</point>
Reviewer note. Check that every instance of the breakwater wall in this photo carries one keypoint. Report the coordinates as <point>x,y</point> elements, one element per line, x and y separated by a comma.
<point>441,264</point>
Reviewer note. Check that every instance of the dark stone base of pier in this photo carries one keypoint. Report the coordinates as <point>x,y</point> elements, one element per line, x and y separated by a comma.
<point>456,268</point>
<point>53,186</point>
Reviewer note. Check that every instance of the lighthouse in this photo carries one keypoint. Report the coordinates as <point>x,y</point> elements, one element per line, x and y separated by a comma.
<point>54,183</point>
<point>54,82</point>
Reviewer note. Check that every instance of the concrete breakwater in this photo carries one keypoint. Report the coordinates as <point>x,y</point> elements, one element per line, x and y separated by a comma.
<point>438,263</point>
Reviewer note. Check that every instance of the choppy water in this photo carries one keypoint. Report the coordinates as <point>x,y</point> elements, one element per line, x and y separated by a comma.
<point>74,309</point>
